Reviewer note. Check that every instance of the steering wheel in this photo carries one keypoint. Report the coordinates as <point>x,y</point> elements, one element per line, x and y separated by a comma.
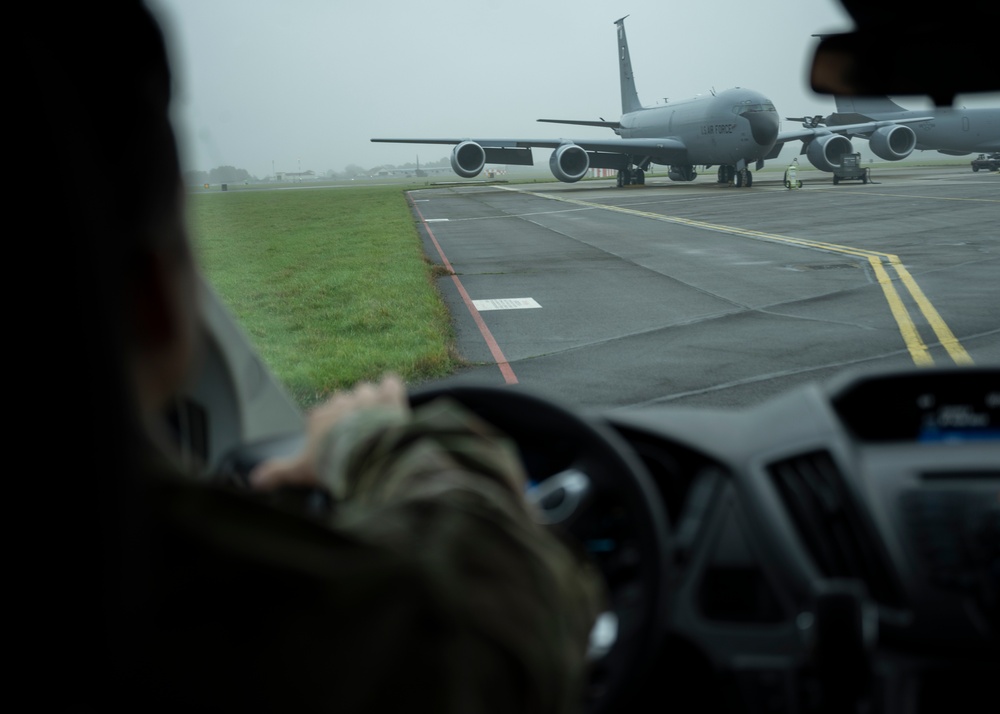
<point>592,487</point>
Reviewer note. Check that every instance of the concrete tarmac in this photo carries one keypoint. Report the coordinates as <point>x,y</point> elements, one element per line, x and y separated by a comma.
<point>706,294</point>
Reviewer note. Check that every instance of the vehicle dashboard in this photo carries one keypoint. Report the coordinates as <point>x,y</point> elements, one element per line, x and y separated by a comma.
<point>831,536</point>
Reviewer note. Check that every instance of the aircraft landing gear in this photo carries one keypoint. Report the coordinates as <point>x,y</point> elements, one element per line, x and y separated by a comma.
<point>731,176</point>
<point>744,177</point>
<point>631,177</point>
<point>682,173</point>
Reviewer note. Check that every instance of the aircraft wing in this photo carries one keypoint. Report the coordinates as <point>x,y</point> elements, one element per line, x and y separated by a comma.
<point>825,144</point>
<point>859,129</point>
<point>668,150</point>
<point>584,122</point>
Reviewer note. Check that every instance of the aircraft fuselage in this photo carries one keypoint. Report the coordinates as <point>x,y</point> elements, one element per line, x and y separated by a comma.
<point>723,129</point>
<point>967,131</point>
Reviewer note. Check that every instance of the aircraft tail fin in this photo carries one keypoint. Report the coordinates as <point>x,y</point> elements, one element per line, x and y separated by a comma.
<point>630,98</point>
<point>866,105</point>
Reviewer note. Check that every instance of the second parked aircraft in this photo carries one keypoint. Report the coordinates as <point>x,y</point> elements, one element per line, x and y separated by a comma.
<point>955,131</point>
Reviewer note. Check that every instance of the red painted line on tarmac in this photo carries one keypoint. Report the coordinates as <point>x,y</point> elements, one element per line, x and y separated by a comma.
<point>505,369</point>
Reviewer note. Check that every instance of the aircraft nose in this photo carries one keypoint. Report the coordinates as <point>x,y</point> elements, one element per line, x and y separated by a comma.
<point>763,126</point>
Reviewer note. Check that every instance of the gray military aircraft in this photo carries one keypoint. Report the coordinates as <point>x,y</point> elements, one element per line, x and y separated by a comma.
<point>732,129</point>
<point>948,130</point>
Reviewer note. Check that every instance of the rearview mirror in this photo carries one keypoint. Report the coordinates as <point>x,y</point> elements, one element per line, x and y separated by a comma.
<point>933,60</point>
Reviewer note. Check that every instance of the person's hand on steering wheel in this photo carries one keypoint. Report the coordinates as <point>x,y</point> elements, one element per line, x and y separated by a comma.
<point>301,470</point>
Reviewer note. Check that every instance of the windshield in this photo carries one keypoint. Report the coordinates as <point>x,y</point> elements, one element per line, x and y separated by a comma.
<point>603,278</point>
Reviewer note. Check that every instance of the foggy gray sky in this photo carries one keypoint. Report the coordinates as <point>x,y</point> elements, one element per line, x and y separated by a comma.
<point>304,84</point>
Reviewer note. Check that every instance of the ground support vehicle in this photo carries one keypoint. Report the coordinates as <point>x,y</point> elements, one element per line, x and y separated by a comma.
<point>850,169</point>
<point>791,179</point>
<point>986,163</point>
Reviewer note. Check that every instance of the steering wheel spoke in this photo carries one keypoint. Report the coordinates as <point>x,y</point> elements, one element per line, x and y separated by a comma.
<point>588,484</point>
<point>561,498</point>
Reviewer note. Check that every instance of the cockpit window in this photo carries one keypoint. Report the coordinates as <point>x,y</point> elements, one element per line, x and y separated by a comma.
<point>753,107</point>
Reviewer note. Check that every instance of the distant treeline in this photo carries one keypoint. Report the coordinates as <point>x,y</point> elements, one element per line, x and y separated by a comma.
<point>220,174</point>
<point>231,174</point>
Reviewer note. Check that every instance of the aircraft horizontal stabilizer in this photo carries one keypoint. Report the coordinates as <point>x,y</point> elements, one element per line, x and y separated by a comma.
<point>583,122</point>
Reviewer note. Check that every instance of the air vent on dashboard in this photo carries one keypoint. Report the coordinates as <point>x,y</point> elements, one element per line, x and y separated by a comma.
<point>836,535</point>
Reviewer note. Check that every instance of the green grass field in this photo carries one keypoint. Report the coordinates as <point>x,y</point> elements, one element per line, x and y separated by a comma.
<point>331,284</point>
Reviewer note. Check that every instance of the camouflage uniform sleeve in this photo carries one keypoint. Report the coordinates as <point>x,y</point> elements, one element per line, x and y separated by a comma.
<point>444,490</point>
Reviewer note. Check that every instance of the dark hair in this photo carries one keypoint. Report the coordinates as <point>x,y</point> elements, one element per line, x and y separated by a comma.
<point>93,89</point>
<point>98,85</point>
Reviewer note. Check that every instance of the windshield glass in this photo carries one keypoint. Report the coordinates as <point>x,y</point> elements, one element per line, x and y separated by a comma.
<point>674,270</point>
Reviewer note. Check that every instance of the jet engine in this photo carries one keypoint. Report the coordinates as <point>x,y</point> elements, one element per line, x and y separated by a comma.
<point>825,152</point>
<point>893,143</point>
<point>569,163</point>
<point>468,159</point>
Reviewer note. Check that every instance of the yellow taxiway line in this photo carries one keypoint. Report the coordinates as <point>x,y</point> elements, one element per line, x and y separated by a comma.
<point>907,328</point>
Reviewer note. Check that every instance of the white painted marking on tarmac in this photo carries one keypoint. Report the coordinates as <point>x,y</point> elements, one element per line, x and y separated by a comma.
<point>436,220</point>
<point>505,304</point>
